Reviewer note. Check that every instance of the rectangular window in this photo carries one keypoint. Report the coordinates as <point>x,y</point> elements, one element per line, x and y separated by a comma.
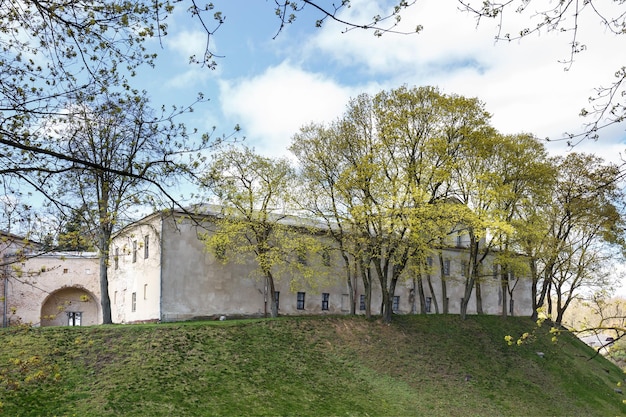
<point>325,298</point>
<point>300,303</point>
<point>115,297</point>
<point>362,302</point>
<point>146,246</point>
<point>511,306</point>
<point>116,258</point>
<point>134,302</point>
<point>73,318</point>
<point>446,267</point>
<point>495,272</point>
<point>277,299</point>
<point>145,291</point>
<point>65,270</point>
<point>134,251</point>
<point>463,269</point>
<point>429,301</point>
<point>459,241</point>
<point>396,303</point>
<point>429,261</point>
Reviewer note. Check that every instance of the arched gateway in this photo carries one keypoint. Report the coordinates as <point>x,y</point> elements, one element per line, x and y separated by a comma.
<point>70,306</point>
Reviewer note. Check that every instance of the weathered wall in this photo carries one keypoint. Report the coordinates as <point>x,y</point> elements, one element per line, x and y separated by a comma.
<point>42,290</point>
<point>194,284</point>
<point>135,268</point>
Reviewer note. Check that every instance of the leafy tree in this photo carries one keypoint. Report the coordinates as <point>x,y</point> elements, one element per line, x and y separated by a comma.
<point>386,180</point>
<point>133,155</point>
<point>318,150</point>
<point>497,176</point>
<point>583,230</point>
<point>75,234</point>
<point>254,193</point>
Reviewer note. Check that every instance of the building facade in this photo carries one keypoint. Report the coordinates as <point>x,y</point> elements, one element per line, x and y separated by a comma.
<point>161,271</point>
<point>47,288</point>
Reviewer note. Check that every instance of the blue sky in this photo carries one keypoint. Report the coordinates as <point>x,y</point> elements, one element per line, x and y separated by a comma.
<point>271,87</point>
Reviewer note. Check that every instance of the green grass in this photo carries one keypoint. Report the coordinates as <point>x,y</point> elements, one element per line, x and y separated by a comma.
<point>318,366</point>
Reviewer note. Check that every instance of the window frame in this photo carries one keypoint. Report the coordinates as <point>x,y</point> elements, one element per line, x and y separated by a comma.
<point>395,303</point>
<point>146,246</point>
<point>300,300</point>
<point>325,300</point>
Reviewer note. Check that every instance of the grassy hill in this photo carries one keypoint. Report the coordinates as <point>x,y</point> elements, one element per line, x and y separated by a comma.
<point>319,366</point>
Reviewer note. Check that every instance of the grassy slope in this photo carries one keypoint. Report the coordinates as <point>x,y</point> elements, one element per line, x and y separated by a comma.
<point>304,366</point>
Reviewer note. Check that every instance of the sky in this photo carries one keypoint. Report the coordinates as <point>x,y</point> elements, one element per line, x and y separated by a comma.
<point>272,85</point>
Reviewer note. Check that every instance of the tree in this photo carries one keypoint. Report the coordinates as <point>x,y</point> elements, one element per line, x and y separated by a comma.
<point>133,155</point>
<point>582,231</point>
<point>497,176</point>
<point>386,180</point>
<point>55,54</point>
<point>75,234</point>
<point>255,193</point>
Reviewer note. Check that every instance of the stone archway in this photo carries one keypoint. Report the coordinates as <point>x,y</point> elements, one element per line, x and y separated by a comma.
<point>73,306</point>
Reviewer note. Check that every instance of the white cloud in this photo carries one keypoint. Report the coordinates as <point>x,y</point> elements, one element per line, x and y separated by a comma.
<point>521,82</point>
<point>272,106</point>
<point>187,43</point>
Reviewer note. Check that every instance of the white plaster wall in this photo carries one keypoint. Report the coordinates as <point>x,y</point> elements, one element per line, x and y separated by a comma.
<point>136,274</point>
<point>33,281</point>
<point>194,284</point>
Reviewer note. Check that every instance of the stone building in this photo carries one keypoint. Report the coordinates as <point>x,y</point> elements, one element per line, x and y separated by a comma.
<point>161,271</point>
<point>47,289</point>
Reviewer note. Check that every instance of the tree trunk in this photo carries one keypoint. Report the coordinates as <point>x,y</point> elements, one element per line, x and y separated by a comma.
<point>272,294</point>
<point>479,298</point>
<point>504,284</point>
<point>366,276</point>
<point>349,282</point>
<point>433,298</point>
<point>444,288</point>
<point>422,297</point>
<point>105,300</point>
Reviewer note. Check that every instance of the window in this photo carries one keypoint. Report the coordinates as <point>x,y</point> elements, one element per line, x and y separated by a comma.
<point>115,297</point>
<point>134,251</point>
<point>459,240</point>
<point>325,298</point>
<point>277,299</point>
<point>511,306</point>
<point>300,303</point>
<point>116,258</point>
<point>146,246</point>
<point>429,261</point>
<point>446,267</point>
<point>134,302</point>
<point>65,270</point>
<point>463,269</point>
<point>495,272</point>
<point>145,291</point>
<point>73,318</point>
<point>396,303</point>
<point>362,302</point>
<point>429,301</point>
